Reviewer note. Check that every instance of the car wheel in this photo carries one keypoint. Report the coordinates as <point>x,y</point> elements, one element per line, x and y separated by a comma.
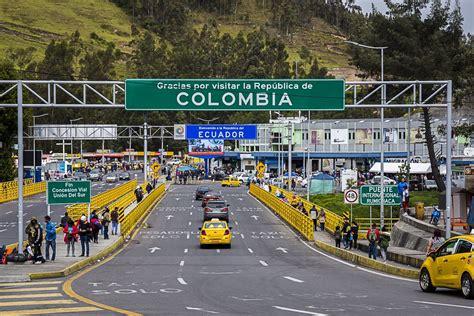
<point>229,246</point>
<point>467,287</point>
<point>425,281</point>
<point>202,246</point>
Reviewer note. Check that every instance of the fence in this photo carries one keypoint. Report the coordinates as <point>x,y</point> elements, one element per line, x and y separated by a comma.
<point>292,216</point>
<point>137,214</point>
<point>9,189</point>
<point>364,223</point>
<point>102,199</point>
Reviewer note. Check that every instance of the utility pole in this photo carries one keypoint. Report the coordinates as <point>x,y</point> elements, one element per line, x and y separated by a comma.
<point>290,142</point>
<point>34,144</point>
<point>145,146</point>
<point>20,165</point>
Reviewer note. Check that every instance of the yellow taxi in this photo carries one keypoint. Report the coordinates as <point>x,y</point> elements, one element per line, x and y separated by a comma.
<point>215,232</point>
<point>450,266</point>
<point>230,182</point>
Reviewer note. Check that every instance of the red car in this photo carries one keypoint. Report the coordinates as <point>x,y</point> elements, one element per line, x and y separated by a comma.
<point>210,196</point>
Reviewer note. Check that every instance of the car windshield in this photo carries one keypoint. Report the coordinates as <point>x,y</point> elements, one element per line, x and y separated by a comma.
<point>215,225</point>
<point>216,204</point>
<point>203,189</point>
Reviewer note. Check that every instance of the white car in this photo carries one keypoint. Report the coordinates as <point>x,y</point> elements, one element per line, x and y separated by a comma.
<point>174,161</point>
<point>304,183</point>
<point>241,176</point>
<point>387,180</point>
<point>112,177</point>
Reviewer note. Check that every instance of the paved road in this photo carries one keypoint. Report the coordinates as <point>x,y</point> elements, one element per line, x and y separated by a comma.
<point>268,271</point>
<point>36,206</point>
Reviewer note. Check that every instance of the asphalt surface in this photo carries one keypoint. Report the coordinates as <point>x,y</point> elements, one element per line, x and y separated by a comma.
<point>268,271</point>
<point>36,206</point>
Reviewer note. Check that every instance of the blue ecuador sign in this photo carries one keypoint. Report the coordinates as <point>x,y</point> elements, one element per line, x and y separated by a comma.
<point>221,131</point>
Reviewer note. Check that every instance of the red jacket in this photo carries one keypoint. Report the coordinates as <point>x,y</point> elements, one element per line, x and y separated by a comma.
<point>66,232</point>
<point>377,234</point>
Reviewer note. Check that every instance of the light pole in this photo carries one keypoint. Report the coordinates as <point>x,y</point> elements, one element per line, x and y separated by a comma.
<point>34,144</point>
<point>71,121</point>
<point>382,138</point>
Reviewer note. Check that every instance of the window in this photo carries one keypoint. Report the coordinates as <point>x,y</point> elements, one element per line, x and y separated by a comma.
<point>463,246</point>
<point>447,249</point>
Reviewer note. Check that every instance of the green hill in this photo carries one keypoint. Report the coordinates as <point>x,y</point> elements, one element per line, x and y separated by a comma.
<point>28,23</point>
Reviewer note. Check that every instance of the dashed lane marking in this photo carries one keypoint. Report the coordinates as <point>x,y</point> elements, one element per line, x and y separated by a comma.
<point>189,224</point>
<point>181,281</point>
<point>287,309</point>
<point>218,250</point>
<point>242,235</point>
<point>443,304</point>
<point>181,263</point>
<point>263,263</point>
<point>250,250</point>
<point>293,279</point>
<point>186,250</point>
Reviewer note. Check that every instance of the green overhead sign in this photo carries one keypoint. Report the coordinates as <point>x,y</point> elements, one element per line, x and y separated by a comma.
<point>68,192</point>
<point>234,94</point>
<point>370,195</point>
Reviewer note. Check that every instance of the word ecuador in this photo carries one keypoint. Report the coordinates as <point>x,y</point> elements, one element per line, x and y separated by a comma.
<point>227,94</point>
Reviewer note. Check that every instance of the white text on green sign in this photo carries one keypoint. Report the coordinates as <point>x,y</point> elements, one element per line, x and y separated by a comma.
<point>234,94</point>
<point>370,195</point>
<point>68,192</point>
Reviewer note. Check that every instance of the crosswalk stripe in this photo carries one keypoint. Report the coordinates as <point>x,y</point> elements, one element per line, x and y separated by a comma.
<point>30,283</point>
<point>51,302</point>
<point>40,295</point>
<point>51,311</point>
<point>33,289</point>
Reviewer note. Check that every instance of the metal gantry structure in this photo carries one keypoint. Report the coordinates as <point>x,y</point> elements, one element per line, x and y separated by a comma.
<point>111,94</point>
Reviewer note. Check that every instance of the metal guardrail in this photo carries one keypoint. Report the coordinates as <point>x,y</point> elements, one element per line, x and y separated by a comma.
<point>364,223</point>
<point>102,199</point>
<point>299,221</point>
<point>9,189</point>
<point>136,215</point>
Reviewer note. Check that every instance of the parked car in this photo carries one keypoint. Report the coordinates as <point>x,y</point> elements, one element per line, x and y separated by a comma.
<point>124,176</point>
<point>111,178</point>
<point>430,185</point>
<point>376,180</point>
<point>79,176</point>
<point>416,185</point>
<point>216,209</point>
<point>95,175</point>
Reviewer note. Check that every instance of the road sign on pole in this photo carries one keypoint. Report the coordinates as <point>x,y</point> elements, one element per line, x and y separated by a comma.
<point>351,196</point>
<point>370,195</point>
<point>68,192</point>
<point>155,167</point>
<point>260,167</point>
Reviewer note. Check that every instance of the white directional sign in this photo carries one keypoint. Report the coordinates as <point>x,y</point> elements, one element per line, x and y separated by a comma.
<point>351,196</point>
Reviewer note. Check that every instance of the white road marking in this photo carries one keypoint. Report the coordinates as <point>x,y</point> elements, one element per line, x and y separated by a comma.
<point>181,263</point>
<point>200,309</point>
<point>387,275</point>
<point>250,250</point>
<point>191,213</point>
<point>187,236</point>
<point>284,250</point>
<point>236,223</point>
<point>263,263</point>
<point>181,281</point>
<point>218,250</point>
<point>169,216</point>
<point>189,224</point>
<point>232,213</point>
<point>442,304</point>
<point>24,214</point>
<point>186,250</point>
<point>3,230</point>
<point>255,217</point>
<point>298,311</point>
<point>9,212</point>
<point>242,235</point>
<point>293,279</point>
<point>153,249</point>
<point>31,205</point>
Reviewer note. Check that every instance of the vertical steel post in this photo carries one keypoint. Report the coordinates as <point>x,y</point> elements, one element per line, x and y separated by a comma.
<point>290,142</point>
<point>130,145</point>
<point>20,165</point>
<point>448,158</point>
<point>145,146</point>
<point>382,151</point>
<point>162,150</point>
<point>34,151</point>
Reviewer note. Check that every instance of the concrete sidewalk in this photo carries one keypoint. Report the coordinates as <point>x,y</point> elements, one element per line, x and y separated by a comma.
<point>325,241</point>
<point>62,266</point>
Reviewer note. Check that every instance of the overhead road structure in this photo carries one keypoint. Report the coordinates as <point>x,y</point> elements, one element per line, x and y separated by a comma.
<point>111,94</point>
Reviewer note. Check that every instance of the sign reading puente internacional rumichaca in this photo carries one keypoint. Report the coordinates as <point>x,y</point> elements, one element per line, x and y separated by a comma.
<point>234,94</point>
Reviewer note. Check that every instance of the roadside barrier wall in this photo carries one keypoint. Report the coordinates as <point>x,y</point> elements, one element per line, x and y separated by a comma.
<point>136,215</point>
<point>291,215</point>
<point>9,189</point>
<point>102,199</point>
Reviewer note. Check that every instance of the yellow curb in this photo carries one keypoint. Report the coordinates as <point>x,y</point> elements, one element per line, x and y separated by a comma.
<point>367,262</point>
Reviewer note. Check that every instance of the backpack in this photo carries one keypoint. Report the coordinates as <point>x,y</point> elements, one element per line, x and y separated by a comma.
<point>373,235</point>
<point>338,234</point>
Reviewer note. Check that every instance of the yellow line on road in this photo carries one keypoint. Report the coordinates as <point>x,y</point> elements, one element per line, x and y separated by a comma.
<point>51,311</point>
<point>33,289</point>
<point>51,302</point>
<point>3,297</point>
<point>30,283</point>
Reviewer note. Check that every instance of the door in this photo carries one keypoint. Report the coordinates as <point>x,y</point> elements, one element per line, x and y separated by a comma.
<point>444,258</point>
<point>457,264</point>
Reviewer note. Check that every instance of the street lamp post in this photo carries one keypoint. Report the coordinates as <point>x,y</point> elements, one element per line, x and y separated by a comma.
<point>34,144</point>
<point>382,138</point>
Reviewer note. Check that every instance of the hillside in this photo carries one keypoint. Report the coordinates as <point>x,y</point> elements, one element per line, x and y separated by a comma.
<point>36,23</point>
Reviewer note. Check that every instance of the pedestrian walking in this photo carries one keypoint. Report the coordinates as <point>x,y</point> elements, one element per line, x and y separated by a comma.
<point>114,217</point>
<point>50,238</point>
<point>314,216</point>
<point>384,242</point>
<point>84,230</point>
<point>64,220</point>
<point>338,236</point>
<point>96,227</point>
<point>138,194</point>
<point>435,241</point>
<point>34,232</point>
<point>293,184</point>
<point>355,233</point>
<point>400,188</point>
<point>148,188</point>
<point>346,227</point>
<point>322,220</point>
<point>373,236</point>
<point>105,222</point>
<point>70,237</point>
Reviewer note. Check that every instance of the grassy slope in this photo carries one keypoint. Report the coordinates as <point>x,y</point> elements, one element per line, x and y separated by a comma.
<point>28,23</point>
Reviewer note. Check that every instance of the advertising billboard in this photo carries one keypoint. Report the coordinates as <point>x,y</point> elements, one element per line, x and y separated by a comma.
<point>339,136</point>
<point>206,147</point>
<point>317,136</point>
<point>417,135</point>
<point>363,136</point>
<point>390,135</point>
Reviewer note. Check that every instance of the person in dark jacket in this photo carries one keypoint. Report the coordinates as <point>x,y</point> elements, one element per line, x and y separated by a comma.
<point>355,233</point>
<point>114,217</point>
<point>34,232</point>
<point>85,230</point>
<point>64,220</point>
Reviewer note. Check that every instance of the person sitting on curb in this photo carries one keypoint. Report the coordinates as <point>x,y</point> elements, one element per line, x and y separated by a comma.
<point>373,236</point>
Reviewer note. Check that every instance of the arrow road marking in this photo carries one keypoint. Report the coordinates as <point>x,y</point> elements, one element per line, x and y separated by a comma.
<point>298,311</point>
<point>255,217</point>
<point>9,212</point>
<point>153,249</point>
<point>177,199</point>
<point>282,249</point>
<point>169,216</point>
<point>2,230</point>
<point>189,224</point>
<point>293,279</point>
<point>200,309</point>
<point>181,281</point>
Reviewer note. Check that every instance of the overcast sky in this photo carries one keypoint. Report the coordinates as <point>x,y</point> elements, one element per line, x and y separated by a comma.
<point>467,10</point>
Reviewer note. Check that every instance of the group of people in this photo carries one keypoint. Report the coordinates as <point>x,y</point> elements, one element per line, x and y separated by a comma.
<point>348,234</point>
<point>82,230</point>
